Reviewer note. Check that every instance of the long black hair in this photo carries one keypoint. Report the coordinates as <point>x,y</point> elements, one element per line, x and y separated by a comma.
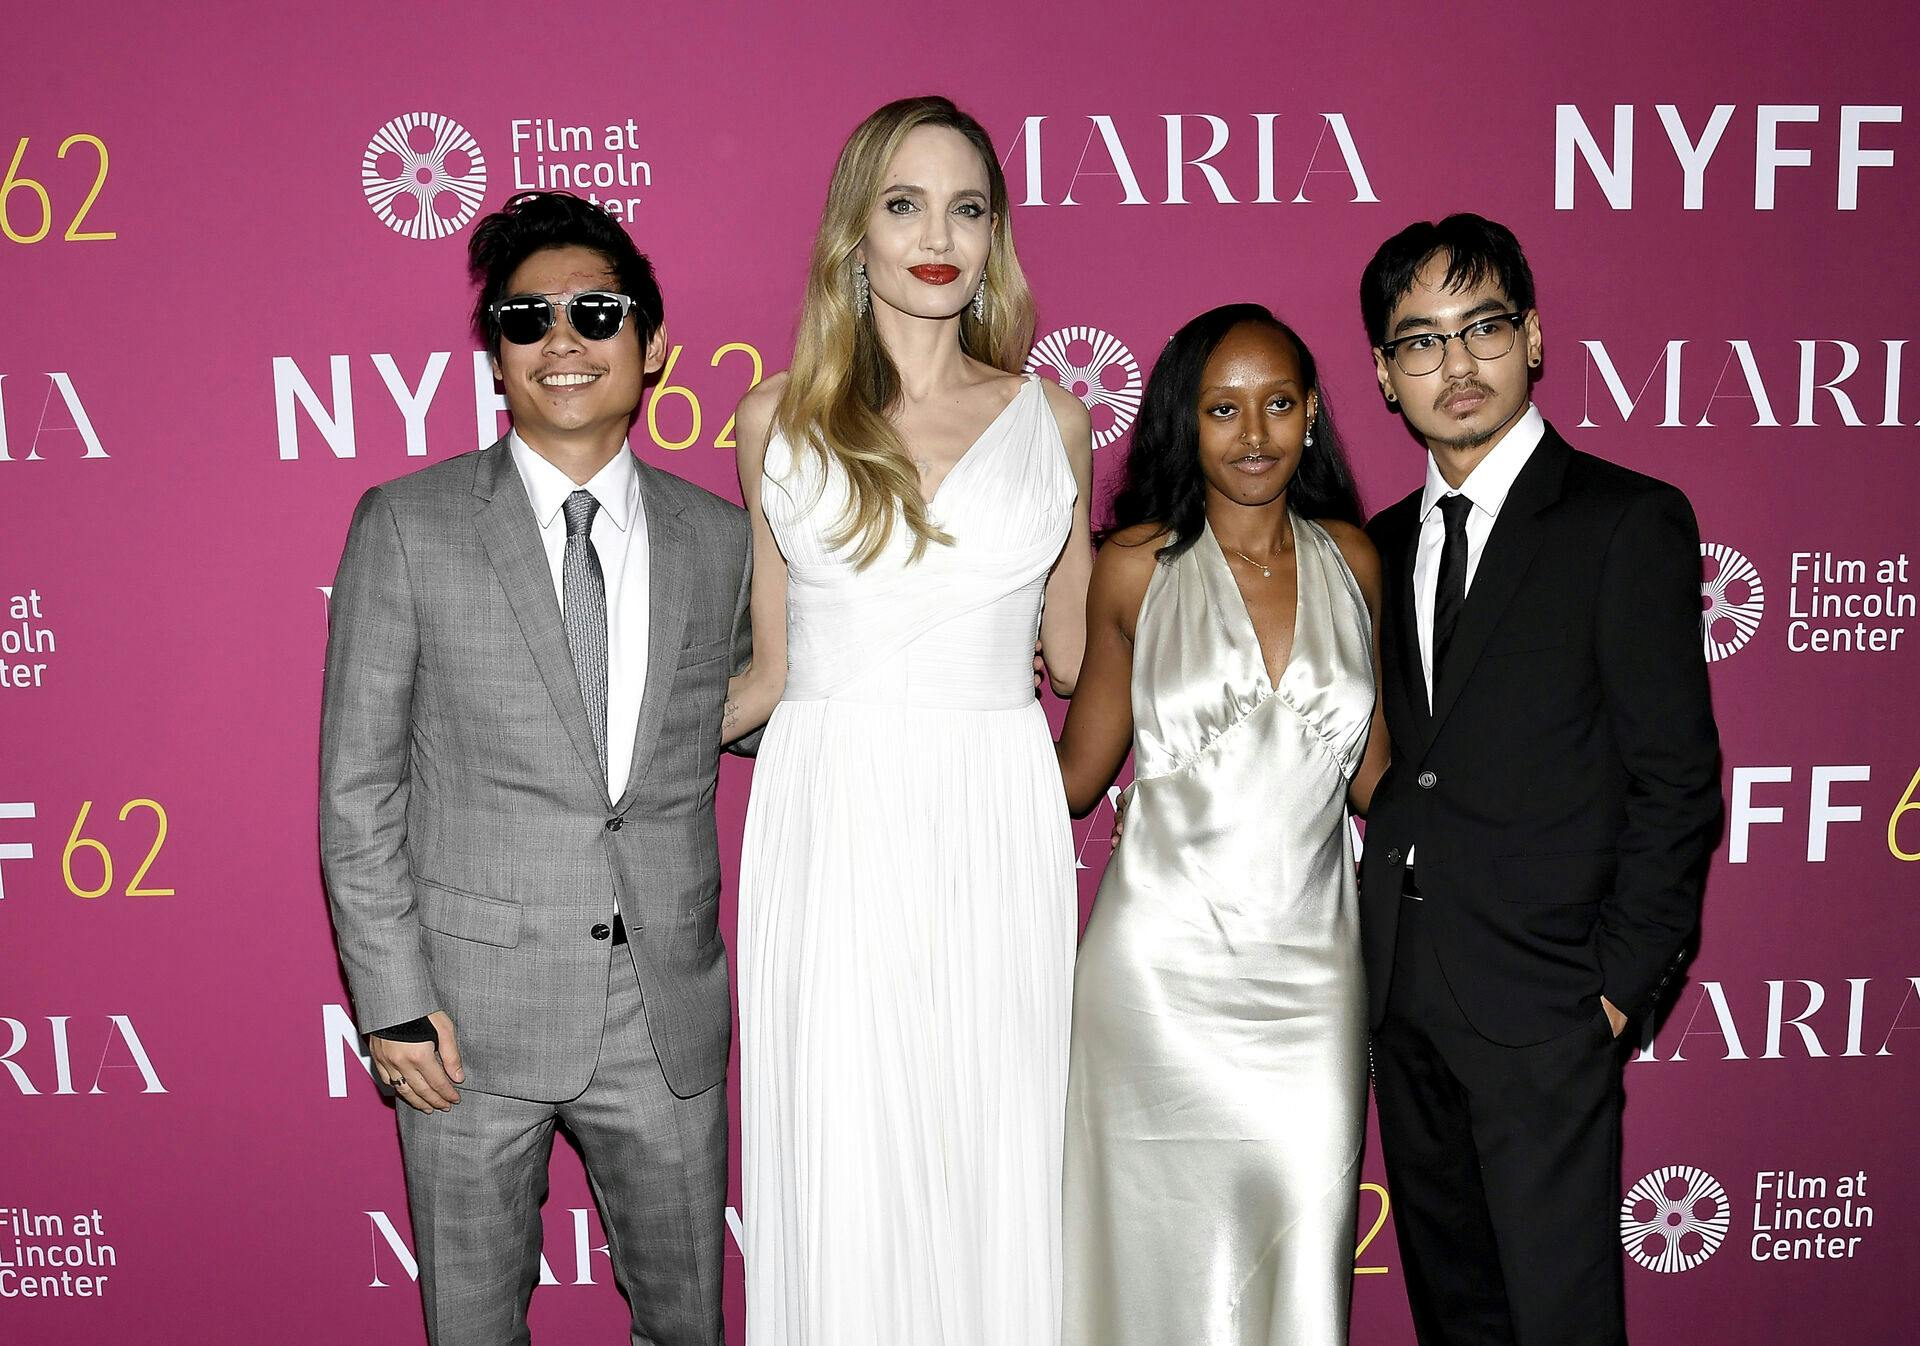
<point>1162,483</point>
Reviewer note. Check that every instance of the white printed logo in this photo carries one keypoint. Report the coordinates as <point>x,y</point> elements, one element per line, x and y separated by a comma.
<point>1106,376</point>
<point>1733,601</point>
<point>424,175</point>
<point>1674,1218</point>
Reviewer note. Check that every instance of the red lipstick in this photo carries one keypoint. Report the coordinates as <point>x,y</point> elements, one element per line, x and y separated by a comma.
<point>934,273</point>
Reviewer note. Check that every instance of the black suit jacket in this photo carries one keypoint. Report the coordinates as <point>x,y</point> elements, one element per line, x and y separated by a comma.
<point>1563,790</point>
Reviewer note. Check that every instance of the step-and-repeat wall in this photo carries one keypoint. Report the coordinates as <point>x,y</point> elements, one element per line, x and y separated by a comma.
<point>233,267</point>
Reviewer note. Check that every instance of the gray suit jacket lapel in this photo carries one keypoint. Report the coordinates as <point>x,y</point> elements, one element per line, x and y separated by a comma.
<point>669,596</point>
<point>511,536</point>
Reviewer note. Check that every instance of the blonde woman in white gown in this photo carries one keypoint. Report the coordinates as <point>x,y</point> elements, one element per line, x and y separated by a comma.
<point>907,895</point>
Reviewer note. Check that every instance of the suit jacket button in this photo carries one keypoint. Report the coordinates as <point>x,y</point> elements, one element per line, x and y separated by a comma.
<point>613,824</point>
<point>1426,780</point>
<point>601,931</point>
<point>1393,856</point>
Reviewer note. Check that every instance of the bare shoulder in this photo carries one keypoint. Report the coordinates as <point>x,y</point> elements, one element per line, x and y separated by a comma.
<point>761,401</point>
<point>1134,539</point>
<point>1126,561</point>
<point>1357,549</point>
<point>753,421</point>
<point>1122,571</point>
<point>1069,412</point>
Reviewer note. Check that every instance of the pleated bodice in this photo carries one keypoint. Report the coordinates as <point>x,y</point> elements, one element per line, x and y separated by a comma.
<point>954,629</point>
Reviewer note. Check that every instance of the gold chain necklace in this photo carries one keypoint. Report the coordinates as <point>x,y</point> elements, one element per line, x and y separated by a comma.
<point>1266,572</point>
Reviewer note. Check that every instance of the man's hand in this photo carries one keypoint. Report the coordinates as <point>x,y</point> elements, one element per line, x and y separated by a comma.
<point>419,1075</point>
<point>1614,1016</point>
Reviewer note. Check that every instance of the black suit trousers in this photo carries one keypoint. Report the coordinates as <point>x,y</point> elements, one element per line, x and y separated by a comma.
<point>1503,1164</point>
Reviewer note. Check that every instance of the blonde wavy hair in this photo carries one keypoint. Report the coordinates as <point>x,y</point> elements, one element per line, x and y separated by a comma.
<point>842,384</point>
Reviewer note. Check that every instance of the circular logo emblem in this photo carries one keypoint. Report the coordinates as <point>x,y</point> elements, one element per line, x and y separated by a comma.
<point>1731,600</point>
<point>1674,1218</point>
<point>423,175</point>
<point>1097,368</point>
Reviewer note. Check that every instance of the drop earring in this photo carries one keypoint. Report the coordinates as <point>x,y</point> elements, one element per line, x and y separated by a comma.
<point>1307,443</point>
<point>861,291</point>
<point>980,300</point>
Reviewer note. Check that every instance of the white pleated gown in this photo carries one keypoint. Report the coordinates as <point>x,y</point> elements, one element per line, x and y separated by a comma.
<point>907,917</point>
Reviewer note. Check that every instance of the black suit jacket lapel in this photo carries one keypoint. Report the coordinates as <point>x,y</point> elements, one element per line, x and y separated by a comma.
<point>1411,669</point>
<point>511,536</point>
<point>1516,537</point>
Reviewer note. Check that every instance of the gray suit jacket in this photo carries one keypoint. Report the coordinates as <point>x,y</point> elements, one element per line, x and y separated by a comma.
<point>465,831</point>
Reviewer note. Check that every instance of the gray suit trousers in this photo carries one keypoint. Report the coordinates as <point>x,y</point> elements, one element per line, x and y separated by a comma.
<point>476,1177</point>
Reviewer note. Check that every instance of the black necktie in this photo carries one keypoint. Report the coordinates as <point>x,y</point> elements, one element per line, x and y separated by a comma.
<point>1450,594</point>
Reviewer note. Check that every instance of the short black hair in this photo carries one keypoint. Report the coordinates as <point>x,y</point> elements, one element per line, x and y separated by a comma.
<point>1477,248</point>
<point>532,222</point>
<point>1162,481</point>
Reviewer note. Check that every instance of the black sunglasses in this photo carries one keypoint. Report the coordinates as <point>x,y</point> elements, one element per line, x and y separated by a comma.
<point>597,315</point>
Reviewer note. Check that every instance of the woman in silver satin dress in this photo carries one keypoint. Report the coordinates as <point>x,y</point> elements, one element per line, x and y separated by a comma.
<point>1217,1087</point>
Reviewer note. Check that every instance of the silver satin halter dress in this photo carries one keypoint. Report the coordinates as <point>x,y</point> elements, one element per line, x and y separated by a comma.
<point>1217,1080</point>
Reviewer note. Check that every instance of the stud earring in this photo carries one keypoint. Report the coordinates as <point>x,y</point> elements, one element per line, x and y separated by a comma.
<point>980,300</point>
<point>861,290</point>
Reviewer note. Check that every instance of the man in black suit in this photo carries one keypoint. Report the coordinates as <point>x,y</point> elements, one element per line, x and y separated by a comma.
<point>1535,852</point>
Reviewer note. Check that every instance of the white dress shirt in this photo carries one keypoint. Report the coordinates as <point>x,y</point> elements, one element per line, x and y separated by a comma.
<point>619,535</point>
<point>1486,486</point>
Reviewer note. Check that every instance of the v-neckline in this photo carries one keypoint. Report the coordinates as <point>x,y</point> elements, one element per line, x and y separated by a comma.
<point>958,463</point>
<point>1272,677</point>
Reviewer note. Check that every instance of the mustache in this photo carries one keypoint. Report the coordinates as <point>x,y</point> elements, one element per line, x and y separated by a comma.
<point>1454,390</point>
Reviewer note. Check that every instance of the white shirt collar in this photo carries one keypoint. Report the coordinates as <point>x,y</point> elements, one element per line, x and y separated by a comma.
<point>1487,485</point>
<point>616,486</point>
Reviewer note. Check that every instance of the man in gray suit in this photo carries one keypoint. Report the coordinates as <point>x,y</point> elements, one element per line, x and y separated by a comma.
<point>526,675</point>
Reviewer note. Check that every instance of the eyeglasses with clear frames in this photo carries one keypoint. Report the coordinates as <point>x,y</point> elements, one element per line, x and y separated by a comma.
<point>1486,338</point>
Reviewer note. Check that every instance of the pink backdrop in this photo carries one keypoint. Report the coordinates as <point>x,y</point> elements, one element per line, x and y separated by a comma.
<point>215,343</point>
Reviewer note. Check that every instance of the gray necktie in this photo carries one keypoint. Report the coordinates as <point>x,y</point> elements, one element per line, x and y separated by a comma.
<point>585,611</point>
